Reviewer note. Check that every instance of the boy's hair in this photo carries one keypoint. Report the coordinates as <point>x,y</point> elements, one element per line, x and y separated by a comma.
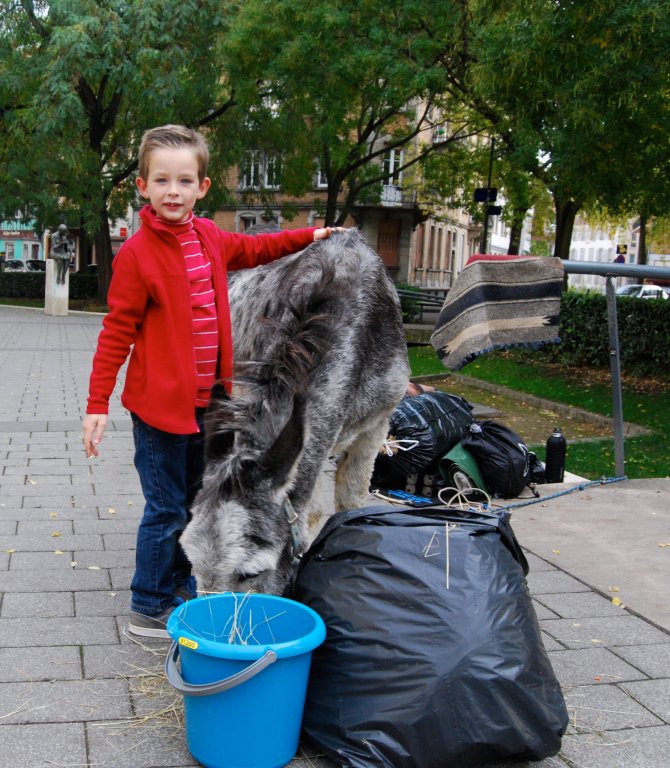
<point>173,136</point>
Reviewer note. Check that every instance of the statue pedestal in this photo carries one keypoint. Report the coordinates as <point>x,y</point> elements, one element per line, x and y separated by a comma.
<point>56,294</point>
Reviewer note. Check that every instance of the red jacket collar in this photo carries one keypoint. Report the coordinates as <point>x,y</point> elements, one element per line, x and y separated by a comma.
<point>154,222</point>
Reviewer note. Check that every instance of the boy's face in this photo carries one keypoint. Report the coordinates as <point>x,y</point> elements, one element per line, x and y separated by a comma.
<point>172,185</point>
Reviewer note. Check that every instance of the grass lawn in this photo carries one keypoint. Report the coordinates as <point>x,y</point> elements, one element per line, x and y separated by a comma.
<point>645,402</point>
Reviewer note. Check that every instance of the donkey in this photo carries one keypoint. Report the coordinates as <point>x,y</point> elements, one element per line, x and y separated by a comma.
<point>321,362</point>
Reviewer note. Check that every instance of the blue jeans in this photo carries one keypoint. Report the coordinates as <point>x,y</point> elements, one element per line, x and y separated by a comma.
<point>170,469</point>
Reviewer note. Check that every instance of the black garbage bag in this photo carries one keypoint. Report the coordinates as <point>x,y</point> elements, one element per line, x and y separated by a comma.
<point>505,462</point>
<point>422,428</point>
<point>433,656</point>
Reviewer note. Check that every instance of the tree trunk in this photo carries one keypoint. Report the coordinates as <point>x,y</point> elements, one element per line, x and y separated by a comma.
<point>103,254</point>
<point>85,247</point>
<point>515,231</point>
<point>642,240</point>
<point>566,211</point>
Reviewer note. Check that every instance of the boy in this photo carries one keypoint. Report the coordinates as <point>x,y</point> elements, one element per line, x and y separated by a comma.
<point>168,301</point>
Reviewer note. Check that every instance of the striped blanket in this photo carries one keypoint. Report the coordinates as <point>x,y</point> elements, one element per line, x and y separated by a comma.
<point>499,302</point>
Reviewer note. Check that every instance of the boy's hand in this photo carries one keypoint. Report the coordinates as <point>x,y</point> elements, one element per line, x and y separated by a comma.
<point>323,232</point>
<point>94,429</point>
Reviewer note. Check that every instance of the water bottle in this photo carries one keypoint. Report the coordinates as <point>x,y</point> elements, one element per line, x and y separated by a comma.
<point>555,457</point>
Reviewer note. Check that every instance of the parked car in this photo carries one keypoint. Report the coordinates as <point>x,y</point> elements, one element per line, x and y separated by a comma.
<point>36,265</point>
<point>13,265</point>
<point>642,291</point>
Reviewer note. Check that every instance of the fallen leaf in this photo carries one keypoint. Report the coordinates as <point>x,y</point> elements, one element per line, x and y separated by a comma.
<point>93,567</point>
<point>616,601</point>
<point>593,640</point>
<point>56,534</point>
<point>58,552</point>
<point>73,563</point>
<point>10,551</point>
<point>53,514</point>
<point>111,510</point>
<point>32,482</point>
<point>614,589</point>
<point>556,551</point>
<point>665,544</point>
<point>112,594</point>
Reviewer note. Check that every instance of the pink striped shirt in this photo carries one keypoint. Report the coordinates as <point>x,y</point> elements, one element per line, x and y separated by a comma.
<point>205,333</point>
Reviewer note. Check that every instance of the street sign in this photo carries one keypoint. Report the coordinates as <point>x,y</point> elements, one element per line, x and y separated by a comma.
<point>622,248</point>
<point>486,194</point>
<point>494,210</point>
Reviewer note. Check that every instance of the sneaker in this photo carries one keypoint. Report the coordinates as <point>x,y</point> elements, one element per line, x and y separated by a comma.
<point>150,626</point>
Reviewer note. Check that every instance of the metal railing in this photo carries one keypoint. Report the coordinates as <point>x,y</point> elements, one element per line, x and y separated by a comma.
<point>610,272</point>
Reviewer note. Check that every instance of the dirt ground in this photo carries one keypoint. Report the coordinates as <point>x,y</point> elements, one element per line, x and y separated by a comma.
<point>532,423</point>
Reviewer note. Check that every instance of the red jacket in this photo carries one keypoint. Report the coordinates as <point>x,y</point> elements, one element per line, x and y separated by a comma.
<point>150,307</point>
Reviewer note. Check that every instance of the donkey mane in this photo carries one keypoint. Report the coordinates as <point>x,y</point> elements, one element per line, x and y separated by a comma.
<point>293,339</point>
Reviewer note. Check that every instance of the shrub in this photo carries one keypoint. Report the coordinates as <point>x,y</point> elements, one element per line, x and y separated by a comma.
<point>411,310</point>
<point>30,285</point>
<point>22,285</point>
<point>644,343</point>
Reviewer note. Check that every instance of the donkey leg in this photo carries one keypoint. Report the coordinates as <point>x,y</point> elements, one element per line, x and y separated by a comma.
<point>354,469</point>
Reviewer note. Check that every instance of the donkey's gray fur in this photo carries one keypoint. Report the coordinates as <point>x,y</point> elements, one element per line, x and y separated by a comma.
<point>321,362</point>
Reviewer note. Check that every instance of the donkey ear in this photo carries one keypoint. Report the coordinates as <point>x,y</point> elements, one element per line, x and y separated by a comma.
<point>218,444</point>
<point>218,439</point>
<point>219,392</point>
<point>279,460</point>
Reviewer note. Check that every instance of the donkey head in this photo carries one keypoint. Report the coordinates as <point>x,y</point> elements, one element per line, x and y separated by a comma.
<point>240,538</point>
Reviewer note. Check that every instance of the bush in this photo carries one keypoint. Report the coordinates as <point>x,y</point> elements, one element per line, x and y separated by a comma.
<point>411,309</point>
<point>83,286</point>
<point>30,285</point>
<point>644,343</point>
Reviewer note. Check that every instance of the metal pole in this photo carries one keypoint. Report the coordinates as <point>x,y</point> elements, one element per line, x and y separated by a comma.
<point>485,234</point>
<point>639,271</point>
<point>615,370</point>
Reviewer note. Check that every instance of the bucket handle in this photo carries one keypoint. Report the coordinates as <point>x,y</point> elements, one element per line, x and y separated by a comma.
<point>206,689</point>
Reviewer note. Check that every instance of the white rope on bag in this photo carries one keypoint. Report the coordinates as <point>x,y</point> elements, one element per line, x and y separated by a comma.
<point>399,445</point>
<point>459,498</point>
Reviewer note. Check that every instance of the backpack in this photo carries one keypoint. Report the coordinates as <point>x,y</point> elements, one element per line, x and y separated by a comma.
<point>505,462</point>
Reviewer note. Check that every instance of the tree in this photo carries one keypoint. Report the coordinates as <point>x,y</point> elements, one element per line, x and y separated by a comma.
<point>578,92</point>
<point>80,81</point>
<point>341,87</point>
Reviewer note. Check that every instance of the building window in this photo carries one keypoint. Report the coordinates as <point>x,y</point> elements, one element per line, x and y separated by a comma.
<point>251,170</point>
<point>271,172</point>
<point>247,220</point>
<point>321,180</point>
<point>393,160</point>
<point>260,171</point>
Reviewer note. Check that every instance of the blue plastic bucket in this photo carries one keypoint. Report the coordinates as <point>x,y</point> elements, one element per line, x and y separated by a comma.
<point>244,669</point>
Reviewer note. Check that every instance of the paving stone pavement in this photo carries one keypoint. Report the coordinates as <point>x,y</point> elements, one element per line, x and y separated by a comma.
<point>75,690</point>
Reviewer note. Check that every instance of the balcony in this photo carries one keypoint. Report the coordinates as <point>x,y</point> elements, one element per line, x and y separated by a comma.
<point>395,197</point>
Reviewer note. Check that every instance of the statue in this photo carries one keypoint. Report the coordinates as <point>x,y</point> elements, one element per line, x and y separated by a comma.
<point>62,250</point>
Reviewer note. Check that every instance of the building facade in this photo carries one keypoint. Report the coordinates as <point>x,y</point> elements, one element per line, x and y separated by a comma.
<point>19,241</point>
<point>418,247</point>
<point>596,243</point>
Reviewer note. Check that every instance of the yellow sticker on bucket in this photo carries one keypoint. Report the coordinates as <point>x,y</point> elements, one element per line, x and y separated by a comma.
<point>192,644</point>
